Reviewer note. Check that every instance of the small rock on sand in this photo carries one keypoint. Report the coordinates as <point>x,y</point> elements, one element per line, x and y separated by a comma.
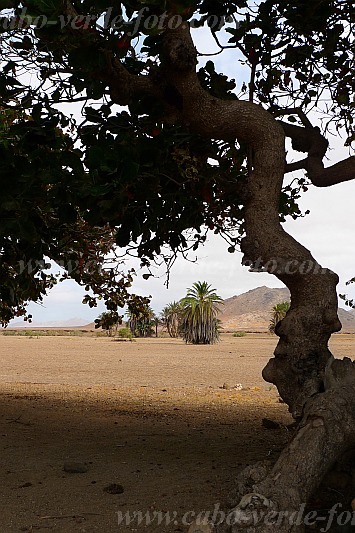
<point>75,468</point>
<point>114,488</point>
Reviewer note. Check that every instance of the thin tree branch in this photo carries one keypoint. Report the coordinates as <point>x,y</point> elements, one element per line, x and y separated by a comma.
<point>295,111</point>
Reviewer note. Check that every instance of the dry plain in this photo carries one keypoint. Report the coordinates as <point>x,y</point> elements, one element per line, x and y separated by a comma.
<point>151,416</point>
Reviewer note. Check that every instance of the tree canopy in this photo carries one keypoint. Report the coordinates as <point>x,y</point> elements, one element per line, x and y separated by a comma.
<point>144,166</point>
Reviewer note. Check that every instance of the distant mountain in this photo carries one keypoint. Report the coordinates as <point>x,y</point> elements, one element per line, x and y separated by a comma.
<point>70,323</point>
<point>347,319</point>
<point>251,310</point>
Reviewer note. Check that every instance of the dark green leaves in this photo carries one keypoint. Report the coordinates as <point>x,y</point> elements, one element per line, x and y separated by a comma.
<point>217,84</point>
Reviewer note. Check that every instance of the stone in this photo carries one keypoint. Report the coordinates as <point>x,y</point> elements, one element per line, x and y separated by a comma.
<point>75,468</point>
<point>114,488</point>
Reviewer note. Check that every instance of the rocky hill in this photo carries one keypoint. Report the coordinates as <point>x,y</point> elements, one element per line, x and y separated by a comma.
<point>251,311</point>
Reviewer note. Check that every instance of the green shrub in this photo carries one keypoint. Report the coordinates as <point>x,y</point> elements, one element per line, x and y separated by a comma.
<point>125,333</point>
<point>8,333</point>
<point>47,333</point>
<point>239,334</point>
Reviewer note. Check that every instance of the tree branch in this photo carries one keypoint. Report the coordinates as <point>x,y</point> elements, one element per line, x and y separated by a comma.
<point>123,85</point>
<point>295,111</point>
<point>310,140</point>
<point>297,165</point>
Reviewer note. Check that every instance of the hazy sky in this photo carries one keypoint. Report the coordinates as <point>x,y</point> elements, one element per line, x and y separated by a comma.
<point>328,232</point>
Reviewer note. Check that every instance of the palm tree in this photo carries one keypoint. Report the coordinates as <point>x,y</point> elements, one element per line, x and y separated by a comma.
<point>200,309</point>
<point>109,321</point>
<point>141,321</point>
<point>171,317</point>
<point>278,313</point>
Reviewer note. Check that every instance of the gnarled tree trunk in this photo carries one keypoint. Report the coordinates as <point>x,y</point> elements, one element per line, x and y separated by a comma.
<point>317,389</point>
<point>303,364</point>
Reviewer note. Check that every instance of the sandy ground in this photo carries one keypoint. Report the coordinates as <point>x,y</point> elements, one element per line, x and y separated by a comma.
<point>150,416</point>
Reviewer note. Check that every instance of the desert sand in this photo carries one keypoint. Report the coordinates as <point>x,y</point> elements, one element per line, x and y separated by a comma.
<point>149,417</point>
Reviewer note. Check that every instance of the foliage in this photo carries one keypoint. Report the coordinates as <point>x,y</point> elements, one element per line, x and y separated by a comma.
<point>132,174</point>
<point>125,333</point>
<point>279,312</point>
<point>46,333</point>
<point>348,301</point>
<point>40,219</point>
<point>172,318</point>
<point>109,321</point>
<point>200,310</point>
<point>239,334</point>
<point>141,320</point>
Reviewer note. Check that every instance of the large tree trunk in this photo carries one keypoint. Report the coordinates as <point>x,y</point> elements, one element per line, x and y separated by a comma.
<point>317,389</point>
